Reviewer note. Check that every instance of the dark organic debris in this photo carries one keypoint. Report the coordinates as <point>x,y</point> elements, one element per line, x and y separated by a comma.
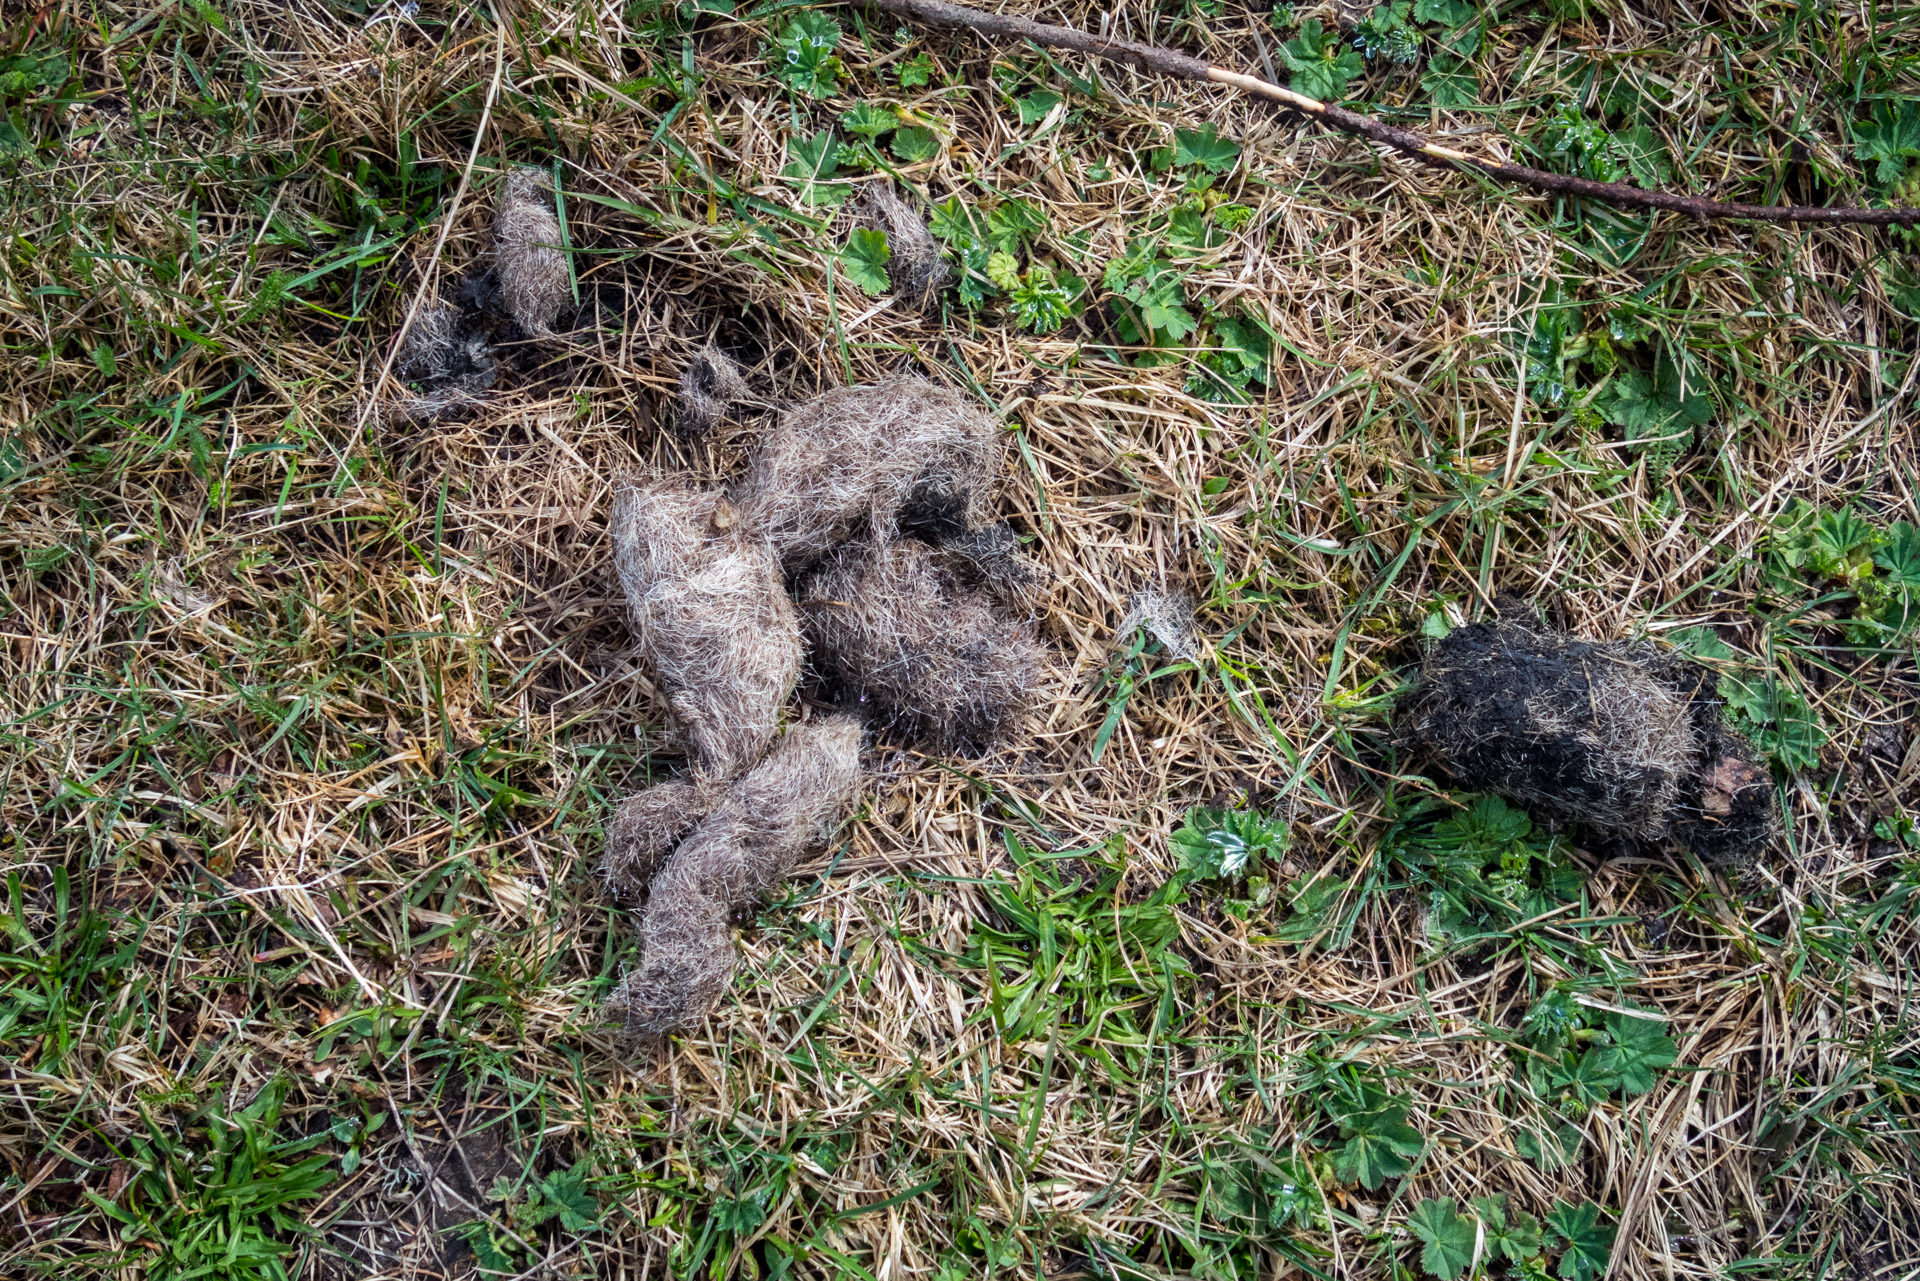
<point>709,386</point>
<point>893,631</point>
<point>773,814</point>
<point>712,616</point>
<point>846,463</point>
<point>915,265</point>
<point>532,271</point>
<point>1623,737</point>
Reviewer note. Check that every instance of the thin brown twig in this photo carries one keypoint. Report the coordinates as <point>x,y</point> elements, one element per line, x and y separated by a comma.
<point>1171,63</point>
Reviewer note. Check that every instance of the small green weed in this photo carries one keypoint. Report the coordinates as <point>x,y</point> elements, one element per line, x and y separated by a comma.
<point>1483,868</point>
<point>1323,65</point>
<point>1582,1056</point>
<point>814,163</point>
<point>1399,33</point>
<point>1243,848</point>
<point>803,56</point>
<point>506,1243</point>
<point>1150,298</point>
<point>1841,551</point>
<point>1356,1134</point>
<point>1488,1231</point>
<point>1576,143</point>
<point>986,248</point>
<point>865,259</point>
<point>1228,845</point>
<point>1888,139</point>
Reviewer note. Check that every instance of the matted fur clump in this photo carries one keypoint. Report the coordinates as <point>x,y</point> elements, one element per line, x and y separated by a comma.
<point>1622,737</point>
<point>894,632</point>
<point>712,616</point>
<point>709,386</point>
<point>646,825</point>
<point>846,464</point>
<point>991,560</point>
<point>914,262</point>
<point>532,271</point>
<point>770,816</point>
<point>446,360</point>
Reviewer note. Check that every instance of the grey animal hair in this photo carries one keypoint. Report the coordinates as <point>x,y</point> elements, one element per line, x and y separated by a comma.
<point>712,616</point>
<point>535,284</point>
<point>773,814</point>
<point>709,386</point>
<point>844,465</point>
<point>893,631</point>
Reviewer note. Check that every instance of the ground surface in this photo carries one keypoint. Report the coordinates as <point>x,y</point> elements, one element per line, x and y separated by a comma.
<point>314,713</point>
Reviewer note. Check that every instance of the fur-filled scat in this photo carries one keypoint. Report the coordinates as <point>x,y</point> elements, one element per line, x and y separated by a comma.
<point>845,464</point>
<point>992,560</point>
<point>1621,737</point>
<point>894,633</point>
<point>534,282</point>
<point>711,614</point>
<point>914,264</point>
<point>773,814</point>
<point>709,386</point>
<point>447,364</point>
<point>646,826</point>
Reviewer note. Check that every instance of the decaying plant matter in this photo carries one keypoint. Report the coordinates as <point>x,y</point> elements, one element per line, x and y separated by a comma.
<point>709,386</point>
<point>846,464</point>
<point>894,632</point>
<point>712,617</point>
<point>534,281</point>
<point>769,817</point>
<point>1622,737</point>
<point>915,264</point>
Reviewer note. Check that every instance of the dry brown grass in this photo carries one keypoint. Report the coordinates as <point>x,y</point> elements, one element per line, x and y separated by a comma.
<point>319,715</point>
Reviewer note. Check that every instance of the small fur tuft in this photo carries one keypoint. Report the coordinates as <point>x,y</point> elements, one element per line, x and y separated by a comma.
<point>914,263</point>
<point>709,386</point>
<point>712,615</point>
<point>845,464</point>
<point>894,632</point>
<point>445,360</point>
<point>534,282</point>
<point>1621,737</point>
<point>775,812</point>
<point>1168,618</point>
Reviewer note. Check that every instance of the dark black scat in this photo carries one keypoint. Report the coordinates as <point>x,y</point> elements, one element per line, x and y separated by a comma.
<point>1622,738</point>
